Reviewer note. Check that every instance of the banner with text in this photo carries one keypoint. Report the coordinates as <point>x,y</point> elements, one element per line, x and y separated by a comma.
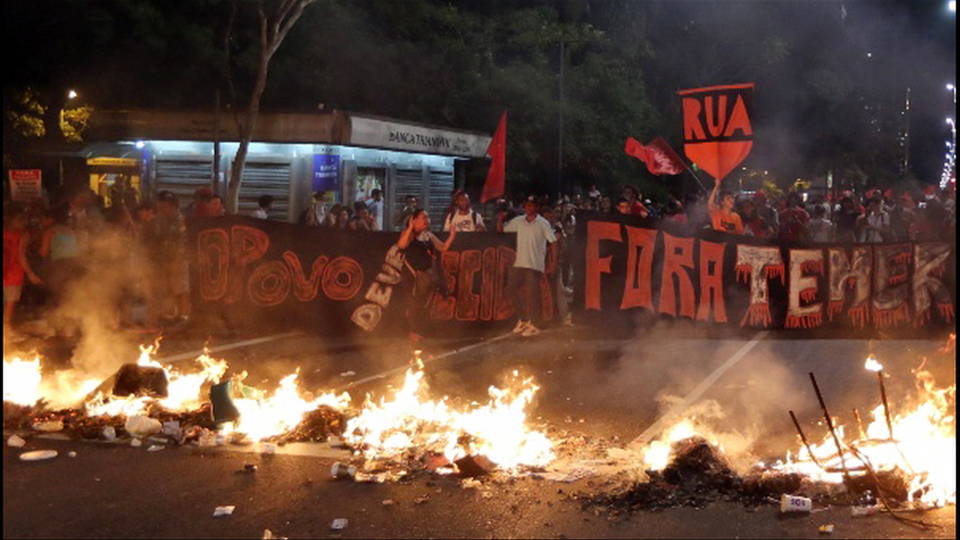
<point>630,266</point>
<point>256,272</point>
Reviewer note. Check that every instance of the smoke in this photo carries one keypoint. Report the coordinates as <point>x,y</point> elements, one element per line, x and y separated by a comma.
<point>113,266</point>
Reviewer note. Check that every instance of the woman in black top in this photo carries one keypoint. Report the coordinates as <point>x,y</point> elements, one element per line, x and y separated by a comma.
<point>420,248</point>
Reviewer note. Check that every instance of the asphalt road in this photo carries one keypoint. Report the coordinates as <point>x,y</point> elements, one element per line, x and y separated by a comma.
<point>595,387</point>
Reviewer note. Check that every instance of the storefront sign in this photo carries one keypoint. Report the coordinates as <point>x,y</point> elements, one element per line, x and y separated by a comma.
<point>413,138</point>
<point>25,185</point>
<point>326,172</point>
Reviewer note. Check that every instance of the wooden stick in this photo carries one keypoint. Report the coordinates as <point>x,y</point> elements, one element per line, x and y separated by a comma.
<point>804,439</point>
<point>856,414</point>
<point>886,407</point>
<point>826,416</point>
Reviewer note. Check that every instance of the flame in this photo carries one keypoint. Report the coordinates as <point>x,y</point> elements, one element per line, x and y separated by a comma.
<point>409,420</point>
<point>21,380</point>
<point>872,365</point>
<point>281,412</point>
<point>924,447</point>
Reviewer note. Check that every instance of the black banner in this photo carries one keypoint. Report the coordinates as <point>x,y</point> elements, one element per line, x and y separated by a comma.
<point>265,273</point>
<point>627,265</point>
<point>628,271</point>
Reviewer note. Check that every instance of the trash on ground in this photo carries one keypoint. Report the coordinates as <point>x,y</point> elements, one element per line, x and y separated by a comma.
<point>223,511</point>
<point>268,535</point>
<point>348,373</point>
<point>249,468</point>
<point>470,483</point>
<point>155,447</point>
<point>793,503</point>
<point>342,471</point>
<point>37,455</point>
<point>71,454</point>
<point>268,448</point>
<point>142,426</point>
<point>109,433</point>
<point>422,499</point>
<point>136,443</point>
<point>49,426</point>
<point>826,529</point>
<point>339,524</point>
<point>389,502</point>
<point>863,511</point>
<point>16,441</point>
<point>471,466</point>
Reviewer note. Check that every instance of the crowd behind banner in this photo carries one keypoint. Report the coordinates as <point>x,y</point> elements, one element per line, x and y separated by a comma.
<point>49,248</point>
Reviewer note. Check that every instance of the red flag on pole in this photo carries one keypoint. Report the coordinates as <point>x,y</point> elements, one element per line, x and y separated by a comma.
<point>496,176</point>
<point>659,157</point>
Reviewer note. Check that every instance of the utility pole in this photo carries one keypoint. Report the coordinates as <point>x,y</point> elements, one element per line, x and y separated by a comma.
<point>560,125</point>
<point>215,181</point>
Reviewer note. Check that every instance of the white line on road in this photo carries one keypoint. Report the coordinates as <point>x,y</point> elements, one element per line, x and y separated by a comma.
<point>697,392</point>
<point>228,346</point>
<point>438,357</point>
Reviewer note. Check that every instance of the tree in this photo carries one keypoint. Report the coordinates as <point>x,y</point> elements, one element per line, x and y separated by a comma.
<point>273,28</point>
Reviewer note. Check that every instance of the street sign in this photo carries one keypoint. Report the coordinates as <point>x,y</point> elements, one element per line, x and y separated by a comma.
<point>25,185</point>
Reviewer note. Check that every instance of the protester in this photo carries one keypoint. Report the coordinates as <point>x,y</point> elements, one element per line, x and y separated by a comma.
<point>342,218</point>
<point>166,245</point>
<point>593,192</point>
<point>197,206</point>
<point>375,206</point>
<point>606,205</point>
<point>637,208</point>
<point>264,202</point>
<point>361,220</point>
<point>846,219</point>
<point>461,216</point>
<point>874,227</point>
<point>16,266</point>
<point>316,214</point>
<point>819,228</point>
<point>60,250</point>
<point>722,216</point>
<point>753,224</point>
<point>215,206</point>
<point>421,249</point>
<point>793,220</point>
<point>534,234</point>
<point>766,211</point>
<point>409,207</point>
<point>903,218</point>
<point>623,207</point>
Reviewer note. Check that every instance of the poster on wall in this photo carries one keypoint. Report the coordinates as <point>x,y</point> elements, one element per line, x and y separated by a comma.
<point>326,172</point>
<point>25,185</point>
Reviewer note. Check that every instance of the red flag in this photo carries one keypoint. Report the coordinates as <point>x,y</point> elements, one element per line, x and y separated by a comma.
<point>659,157</point>
<point>496,176</point>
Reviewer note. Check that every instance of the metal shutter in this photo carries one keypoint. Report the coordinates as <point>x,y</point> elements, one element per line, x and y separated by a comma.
<point>266,179</point>
<point>407,182</point>
<point>183,175</point>
<point>438,202</point>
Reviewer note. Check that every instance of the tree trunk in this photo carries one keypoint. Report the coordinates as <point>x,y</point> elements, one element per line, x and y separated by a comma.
<point>246,134</point>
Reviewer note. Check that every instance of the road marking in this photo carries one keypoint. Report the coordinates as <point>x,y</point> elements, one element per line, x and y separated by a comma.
<point>697,392</point>
<point>227,346</point>
<point>438,357</point>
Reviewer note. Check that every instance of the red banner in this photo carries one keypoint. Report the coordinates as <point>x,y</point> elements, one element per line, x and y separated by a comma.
<point>717,132</point>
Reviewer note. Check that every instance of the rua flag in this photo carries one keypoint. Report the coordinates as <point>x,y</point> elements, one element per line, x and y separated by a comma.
<point>496,176</point>
<point>659,157</point>
<point>717,132</point>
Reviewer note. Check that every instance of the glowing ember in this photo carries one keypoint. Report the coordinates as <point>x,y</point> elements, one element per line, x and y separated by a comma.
<point>924,446</point>
<point>872,365</point>
<point>410,420</point>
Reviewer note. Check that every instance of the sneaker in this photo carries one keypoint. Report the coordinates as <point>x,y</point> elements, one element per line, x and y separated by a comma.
<point>531,330</point>
<point>520,327</point>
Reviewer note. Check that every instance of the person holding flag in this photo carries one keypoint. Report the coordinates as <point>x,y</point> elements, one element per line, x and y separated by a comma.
<point>722,216</point>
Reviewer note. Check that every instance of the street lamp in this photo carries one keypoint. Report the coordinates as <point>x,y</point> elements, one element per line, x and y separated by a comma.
<point>71,94</point>
<point>953,89</point>
<point>952,6</point>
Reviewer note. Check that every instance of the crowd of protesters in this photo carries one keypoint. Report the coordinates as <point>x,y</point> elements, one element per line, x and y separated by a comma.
<point>49,246</point>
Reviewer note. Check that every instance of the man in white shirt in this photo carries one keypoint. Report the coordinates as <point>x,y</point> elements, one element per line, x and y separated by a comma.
<point>534,235</point>
<point>375,205</point>
<point>263,207</point>
<point>461,217</point>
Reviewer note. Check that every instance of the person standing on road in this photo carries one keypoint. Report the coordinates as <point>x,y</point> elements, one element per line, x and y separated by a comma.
<point>534,235</point>
<point>375,206</point>
<point>263,207</point>
<point>421,249</point>
<point>16,266</point>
